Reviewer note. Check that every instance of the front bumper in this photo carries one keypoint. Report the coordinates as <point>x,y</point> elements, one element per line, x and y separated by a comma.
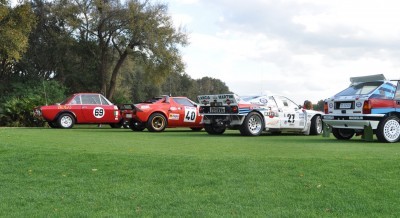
<point>352,121</point>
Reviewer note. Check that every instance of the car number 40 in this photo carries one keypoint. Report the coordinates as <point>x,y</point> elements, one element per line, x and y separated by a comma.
<point>190,114</point>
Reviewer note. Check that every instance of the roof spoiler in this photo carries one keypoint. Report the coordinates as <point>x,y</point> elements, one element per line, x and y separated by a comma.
<point>370,78</point>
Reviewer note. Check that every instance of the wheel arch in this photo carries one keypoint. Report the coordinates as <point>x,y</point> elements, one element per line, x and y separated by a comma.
<point>397,114</point>
<point>258,112</point>
<point>158,112</point>
<point>65,112</point>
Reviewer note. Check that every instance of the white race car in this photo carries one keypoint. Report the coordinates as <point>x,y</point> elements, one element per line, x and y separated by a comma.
<point>255,114</point>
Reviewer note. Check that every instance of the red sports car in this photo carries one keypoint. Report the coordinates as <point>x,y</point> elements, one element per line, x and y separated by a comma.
<point>158,113</point>
<point>81,108</point>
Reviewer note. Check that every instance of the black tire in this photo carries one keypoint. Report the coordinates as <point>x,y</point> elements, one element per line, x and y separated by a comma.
<point>316,125</point>
<point>136,126</point>
<point>65,121</point>
<point>196,129</point>
<point>253,125</point>
<point>343,134</point>
<point>53,124</point>
<point>214,130</point>
<point>156,123</point>
<point>389,130</point>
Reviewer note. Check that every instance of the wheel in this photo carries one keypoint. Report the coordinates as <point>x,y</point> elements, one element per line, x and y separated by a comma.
<point>316,125</point>
<point>343,134</point>
<point>214,130</point>
<point>65,121</point>
<point>136,126</point>
<point>156,123</point>
<point>252,125</point>
<point>196,129</point>
<point>388,129</point>
<point>53,124</point>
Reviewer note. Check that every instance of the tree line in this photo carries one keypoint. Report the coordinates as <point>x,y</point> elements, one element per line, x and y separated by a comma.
<point>127,50</point>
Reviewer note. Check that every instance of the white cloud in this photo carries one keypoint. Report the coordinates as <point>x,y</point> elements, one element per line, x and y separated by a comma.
<point>305,49</point>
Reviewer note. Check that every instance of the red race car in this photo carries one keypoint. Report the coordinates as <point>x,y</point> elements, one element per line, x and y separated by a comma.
<point>81,108</point>
<point>158,113</point>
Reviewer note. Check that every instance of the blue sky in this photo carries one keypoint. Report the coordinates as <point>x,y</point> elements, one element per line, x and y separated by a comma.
<point>303,49</point>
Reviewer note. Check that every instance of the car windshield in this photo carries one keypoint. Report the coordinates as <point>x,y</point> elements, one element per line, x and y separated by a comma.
<point>360,89</point>
<point>66,100</point>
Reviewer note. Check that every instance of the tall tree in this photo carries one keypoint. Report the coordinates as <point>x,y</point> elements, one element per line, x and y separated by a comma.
<point>15,26</point>
<point>136,29</point>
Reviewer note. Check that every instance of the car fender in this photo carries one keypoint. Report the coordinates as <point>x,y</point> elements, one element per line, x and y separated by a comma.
<point>310,114</point>
<point>66,111</point>
<point>258,112</point>
<point>144,117</point>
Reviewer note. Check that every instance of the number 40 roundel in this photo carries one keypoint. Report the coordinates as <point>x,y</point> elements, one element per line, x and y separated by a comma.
<point>190,114</point>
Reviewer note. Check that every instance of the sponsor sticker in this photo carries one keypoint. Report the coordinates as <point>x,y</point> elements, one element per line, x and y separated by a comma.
<point>173,116</point>
<point>64,107</point>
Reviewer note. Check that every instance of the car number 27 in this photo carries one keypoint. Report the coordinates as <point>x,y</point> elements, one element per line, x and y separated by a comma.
<point>190,114</point>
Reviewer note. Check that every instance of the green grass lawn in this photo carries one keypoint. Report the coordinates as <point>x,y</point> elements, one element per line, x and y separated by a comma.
<point>92,172</point>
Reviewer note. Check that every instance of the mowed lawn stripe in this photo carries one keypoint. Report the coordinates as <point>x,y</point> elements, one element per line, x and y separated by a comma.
<point>117,172</point>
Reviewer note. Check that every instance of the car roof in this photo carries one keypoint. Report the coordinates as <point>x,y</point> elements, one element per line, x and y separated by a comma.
<point>370,78</point>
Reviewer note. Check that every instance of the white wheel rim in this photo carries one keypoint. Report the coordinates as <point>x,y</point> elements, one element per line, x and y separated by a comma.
<point>255,124</point>
<point>319,125</point>
<point>66,121</point>
<point>391,130</point>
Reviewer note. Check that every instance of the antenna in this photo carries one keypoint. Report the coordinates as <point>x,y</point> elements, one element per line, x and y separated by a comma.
<point>45,94</point>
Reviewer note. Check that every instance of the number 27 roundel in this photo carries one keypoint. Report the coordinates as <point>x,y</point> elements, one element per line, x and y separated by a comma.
<point>190,114</point>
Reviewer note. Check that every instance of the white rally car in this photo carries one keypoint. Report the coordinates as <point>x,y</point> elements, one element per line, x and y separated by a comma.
<point>255,114</point>
<point>370,105</point>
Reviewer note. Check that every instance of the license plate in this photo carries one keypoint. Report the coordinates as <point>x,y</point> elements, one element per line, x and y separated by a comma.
<point>128,115</point>
<point>217,109</point>
<point>345,105</point>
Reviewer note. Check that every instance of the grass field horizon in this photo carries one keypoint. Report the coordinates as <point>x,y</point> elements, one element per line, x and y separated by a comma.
<point>117,172</point>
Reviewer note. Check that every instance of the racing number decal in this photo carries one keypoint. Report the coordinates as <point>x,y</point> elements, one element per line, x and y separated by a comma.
<point>190,114</point>
<point>291,118</point>
<point>98,112</point>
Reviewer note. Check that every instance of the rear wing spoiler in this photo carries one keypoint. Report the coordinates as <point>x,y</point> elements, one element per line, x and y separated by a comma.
<point>218,100</point>
<point>370,78</point>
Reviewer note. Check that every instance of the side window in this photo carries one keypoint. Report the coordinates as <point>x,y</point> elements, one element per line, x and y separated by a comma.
<point>104,101</point>
<point>397,96</point>
<point>386,91</point>
<point>90,99</point>
<point>279,102</point>
<point>271,102</point>
<point>285,102</point>
<point>183,101</point>
<point>76,100</point>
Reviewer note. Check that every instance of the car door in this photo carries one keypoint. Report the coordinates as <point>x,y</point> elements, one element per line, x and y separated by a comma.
<point>291,116</point>
<point>188,114</point>
<point>96,110</point>
<point>271,116</point>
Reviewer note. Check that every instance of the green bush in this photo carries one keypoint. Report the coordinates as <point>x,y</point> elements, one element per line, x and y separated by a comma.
<point>16,107</point>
